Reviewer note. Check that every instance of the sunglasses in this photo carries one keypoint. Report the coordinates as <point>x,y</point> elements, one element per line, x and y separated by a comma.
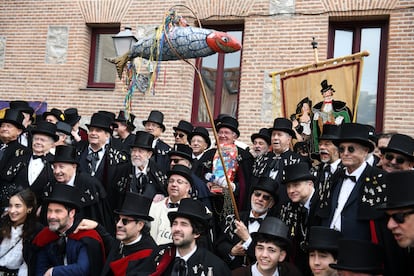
<point>124,221</point>
<point>178,134</point>
<point>399,160</point>
<point>351,149</point>
<point>400,217</point>
<point>259,194</point>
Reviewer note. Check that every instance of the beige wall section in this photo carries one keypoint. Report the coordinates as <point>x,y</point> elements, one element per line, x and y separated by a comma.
<point>277,36</point>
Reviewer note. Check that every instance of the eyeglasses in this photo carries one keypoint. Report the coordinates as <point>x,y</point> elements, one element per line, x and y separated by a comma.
<point>258,194</point>
<point>351,149</point>
<point>398,159</point>
<point>176,160</point>
<point>178,134</point>
<point>400,217</point>
<point>125,221</point>
<point>178,181</point>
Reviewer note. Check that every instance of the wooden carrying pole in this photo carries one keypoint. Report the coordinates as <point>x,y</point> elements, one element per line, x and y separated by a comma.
<point>213,127</point>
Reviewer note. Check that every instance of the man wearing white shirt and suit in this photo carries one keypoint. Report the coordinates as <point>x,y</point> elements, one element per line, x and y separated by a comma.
<point>349,206</point>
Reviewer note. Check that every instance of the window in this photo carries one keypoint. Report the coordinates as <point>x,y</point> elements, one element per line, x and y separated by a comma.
<point>102,73</point>
<point>221,78</point>
<point>346,38</point>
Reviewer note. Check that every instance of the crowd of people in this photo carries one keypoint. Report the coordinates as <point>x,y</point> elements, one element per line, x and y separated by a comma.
<point>109,200</point>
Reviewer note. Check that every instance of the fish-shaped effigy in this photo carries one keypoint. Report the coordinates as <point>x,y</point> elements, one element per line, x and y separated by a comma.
<point>182,43</point>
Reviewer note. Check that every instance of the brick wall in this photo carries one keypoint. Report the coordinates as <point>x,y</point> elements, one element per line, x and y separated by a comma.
<point>271,43</point>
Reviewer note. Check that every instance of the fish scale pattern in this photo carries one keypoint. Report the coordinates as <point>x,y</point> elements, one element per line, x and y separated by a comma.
<point>189,42</point>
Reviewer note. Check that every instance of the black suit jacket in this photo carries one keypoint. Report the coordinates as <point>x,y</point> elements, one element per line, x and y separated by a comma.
<point>198,264</point>
<point>160,155</point>
<point>360,207</point>
<point>227,239</point>
<point>107,169</point>
<point>22,176</point>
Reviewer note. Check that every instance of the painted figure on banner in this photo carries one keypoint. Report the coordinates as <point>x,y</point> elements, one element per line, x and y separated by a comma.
<point>329,111</point>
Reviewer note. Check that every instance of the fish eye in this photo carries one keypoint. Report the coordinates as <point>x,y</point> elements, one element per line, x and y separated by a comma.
<point>225,39</point>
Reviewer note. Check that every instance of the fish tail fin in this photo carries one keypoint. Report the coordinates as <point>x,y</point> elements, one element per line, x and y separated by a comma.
<point>119,62</point>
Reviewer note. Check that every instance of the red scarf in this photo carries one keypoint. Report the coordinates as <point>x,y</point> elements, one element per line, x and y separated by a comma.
<point>120,266</point>
<point>165,261</point>
<point>47,236</point>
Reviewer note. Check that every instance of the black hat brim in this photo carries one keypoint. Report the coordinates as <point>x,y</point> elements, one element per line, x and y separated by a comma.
<point>257,135</point>
<point>287,130</point>
<point>300,178</point>
<point>133,214</point>
<point>106,128</point>
<point>365,143</point>
<point>384,150</point>
<point>161,125</point>
<point>73,121</point>
<point>206,138</point>
<point>53,136</point>
<point>16,124</point>
<point>221,125</point>
<point>64,202</point>
<point>173,215</point>
<point>395,205</point>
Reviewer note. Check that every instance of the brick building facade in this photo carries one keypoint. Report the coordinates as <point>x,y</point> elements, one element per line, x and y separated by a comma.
<point>277,36</point>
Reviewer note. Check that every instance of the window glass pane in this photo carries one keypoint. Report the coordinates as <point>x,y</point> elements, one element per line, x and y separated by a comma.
<point>370,41</point>
<point>103,70</point>
<point>209,75</point>
<point>343,43</point>
<point>231,80</point>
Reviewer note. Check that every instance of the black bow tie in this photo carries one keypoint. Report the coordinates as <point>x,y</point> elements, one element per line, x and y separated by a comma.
<point>38,156</point>
<point>173,205</point>
<point>350,177</point>
<point>252,219</point>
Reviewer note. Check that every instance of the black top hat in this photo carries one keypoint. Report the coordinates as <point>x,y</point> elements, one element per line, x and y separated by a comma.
<point>54,112</point>
<point>267,184</point>
<point>191,209</point>
<point>359,256</point>
<point>183,171</point>
<point>123,119</point>
<point>284,125</point>
<point>184,126</point>
<point>273,227</point>
<point>135,205</point>
<point>402,144</point>
<point>201,131</point>
<point>354,132</point>
<point>324,238</point>
<point>297,172</point>
<point>71,116</point>
<point>182,150</point>
<point>66,195</point>
<point>399,190</point>
<point>229,122</point>
<point>143,140</point>
<point>102,121</point>
<point>65,154</point>
<point>64,128</point>
<point>326,87</point>
<point>14,117</point>
<point>110,114</point>
<point>263,133</point>
<point>22,106</point>
<point>46,128</point>
<point>157,117</point>
<point>329,132</point>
